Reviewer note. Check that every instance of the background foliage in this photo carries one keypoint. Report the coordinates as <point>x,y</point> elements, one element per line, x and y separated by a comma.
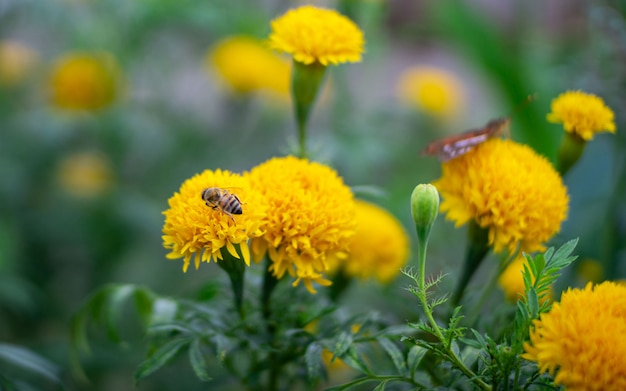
<point>175,119</point>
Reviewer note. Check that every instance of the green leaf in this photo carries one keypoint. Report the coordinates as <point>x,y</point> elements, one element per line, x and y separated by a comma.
<point>353,383</point>
<point>198,363</point>
<point>160,357</point>
<point>313,360</point>
<point>416,354</point>
<point>116,301</point>
<point>381,386</point>
<point>29,361</point>
<point>354,360</point>
<point>396,355</point>
<point>163,310</point>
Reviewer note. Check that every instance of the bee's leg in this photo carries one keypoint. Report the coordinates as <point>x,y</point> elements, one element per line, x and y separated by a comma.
<point>231,216</point>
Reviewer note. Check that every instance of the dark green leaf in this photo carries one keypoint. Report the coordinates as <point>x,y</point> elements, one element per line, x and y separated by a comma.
<point>313,359</point>
<point>396,355</point>
<point>163,311</point>
<point>416,354</point>
<point>160,357</point>
<point>381,386</point>
<point>116,301</point>
<point>351,384</point>
<point>198,363</point>
<point>27,360</point>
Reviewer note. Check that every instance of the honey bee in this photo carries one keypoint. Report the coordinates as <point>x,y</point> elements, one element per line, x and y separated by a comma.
<point>222,200</point>
<point>451,147</point>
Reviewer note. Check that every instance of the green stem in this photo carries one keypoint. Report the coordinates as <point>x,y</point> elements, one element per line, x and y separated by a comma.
<point>429,315</point>
<point>235,268</point>
<point>341,282</point>
<point>306,81</point>
<point>269,283</point>
<point>477,248</point>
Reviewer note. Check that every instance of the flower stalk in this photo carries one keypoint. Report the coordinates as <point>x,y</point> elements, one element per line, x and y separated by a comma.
<point>235,268</point>
<point>570,150</point>
<point>305,84</point>
<point>477,249</point>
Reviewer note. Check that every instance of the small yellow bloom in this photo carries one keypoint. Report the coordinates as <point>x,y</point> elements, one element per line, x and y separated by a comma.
<point>193,229</point>
<point>319,35</point>
<point>582,114</point>
<point>432,90</point>
<point>16,61</point>
<point>85,174</point>
<point>581,339</point>
<point>310,217</point>
<point>247,65</point>
<point>379,247</point>
<point>508,189</point>
<point>85,81</point>
<point>512,282</point>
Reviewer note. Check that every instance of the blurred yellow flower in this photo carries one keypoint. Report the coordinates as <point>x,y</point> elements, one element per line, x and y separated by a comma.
<point>581,339</point>
<point>379,247</point>
<point>85,174</point>
<point>84,81</point>
<point>310,217</point>
<point>16,62</point>
<point>582,114</point>
<point>590,270</point>
<point>432,90</point>
<point>246,65</point>
<point>507,188</point>
<point>512,282</point>
<point>317,35</point>
<point>193,229</point>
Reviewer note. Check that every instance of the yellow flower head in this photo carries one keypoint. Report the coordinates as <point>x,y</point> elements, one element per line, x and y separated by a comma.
<point>512,282</point>
<point>84,81</point>
<point>194,229</point>
<point>85,174</point>
<point>581,339</point>
<point>582,114</point>
<point>247,65</point>
<point>310,217</point>
<point>432,90</point>
<point>507,188</point>
<point>319,35</point>
<point>379,247</point>
<point>16,61</point>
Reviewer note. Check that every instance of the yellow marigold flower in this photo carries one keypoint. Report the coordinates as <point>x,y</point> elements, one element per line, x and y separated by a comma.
<point>16,61</point>
<point>193,229</point>
<point>319,35</point>
<point>85,174</point>
<point>508,189</point>
<point>247,65</point>
<point>84,81</point>
<point>581,339</point>
<point>379,247</point>
<point>512,282</point>
<point>432,90</point>
<point>310,217</point>
<point>582,114</point>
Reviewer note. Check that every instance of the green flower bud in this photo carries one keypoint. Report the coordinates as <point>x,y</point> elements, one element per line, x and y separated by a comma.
<point>570,150</point>
<point>424,207</point>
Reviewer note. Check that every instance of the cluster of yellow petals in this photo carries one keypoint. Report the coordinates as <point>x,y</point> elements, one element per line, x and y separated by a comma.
<point>582,114</point>
<point>85,174</point>
<point>507,188</point>
<point>247,65</point>
<point>310,217</point>
<point>512,282</point>
<point>194,230</point>
<point>317,35</point>
<point>379,247</point>
<point>84,81</point>
<point>432,90</point>
<point>581,339</point>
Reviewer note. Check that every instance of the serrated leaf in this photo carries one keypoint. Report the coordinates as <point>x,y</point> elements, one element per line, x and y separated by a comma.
<point>342,344</point>
<point>565,250</point>
<point>160,357</point>
<point>415,356</point>
<point>313,360</point>
<point>396,355</point>
<point>354,360</point>
<point>198,363</point>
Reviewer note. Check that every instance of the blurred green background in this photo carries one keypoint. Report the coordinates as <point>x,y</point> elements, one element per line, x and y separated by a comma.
<point>82,191</point>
